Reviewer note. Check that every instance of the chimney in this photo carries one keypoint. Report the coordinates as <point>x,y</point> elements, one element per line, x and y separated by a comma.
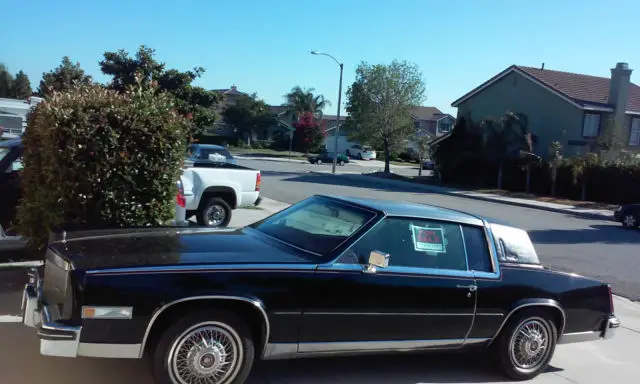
<point>619,93</point>
<point>542,68</point>
<point>234,88</point>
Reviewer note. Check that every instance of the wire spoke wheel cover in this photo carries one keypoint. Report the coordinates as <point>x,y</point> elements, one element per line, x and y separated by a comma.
<point>629,220</point>
<point>529,345</point>
<point>206,353</point>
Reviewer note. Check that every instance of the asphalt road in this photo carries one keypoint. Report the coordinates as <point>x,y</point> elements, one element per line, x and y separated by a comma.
<point>353,167</point>
<point>592,247</point>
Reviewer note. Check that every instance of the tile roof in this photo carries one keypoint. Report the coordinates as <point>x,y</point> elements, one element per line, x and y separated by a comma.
<point>333,117</point>
<point>425,113</point>
<point>582,89</point>
<point>591,89</point>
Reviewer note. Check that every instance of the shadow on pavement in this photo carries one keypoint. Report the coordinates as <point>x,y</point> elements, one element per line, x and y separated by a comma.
<point>605,234</point>
<point>381,369</point>
<point>366,182</point>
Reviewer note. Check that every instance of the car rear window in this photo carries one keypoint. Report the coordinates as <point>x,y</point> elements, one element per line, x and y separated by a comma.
<point>514,245</point>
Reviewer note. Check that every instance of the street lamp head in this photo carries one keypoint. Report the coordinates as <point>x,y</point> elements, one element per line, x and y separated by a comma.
<point>314,52</point>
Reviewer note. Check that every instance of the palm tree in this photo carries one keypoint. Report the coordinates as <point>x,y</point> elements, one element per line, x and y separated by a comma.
<point>300,101</point>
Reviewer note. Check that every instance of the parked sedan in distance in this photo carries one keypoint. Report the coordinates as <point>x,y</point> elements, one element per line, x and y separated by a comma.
<point>327,157</point>
<point>361,152</point>
<point>429,165</point>
<point>329,275</point>
<point>628,215</point>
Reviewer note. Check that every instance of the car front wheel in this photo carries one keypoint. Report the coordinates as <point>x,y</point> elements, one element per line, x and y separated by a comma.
<point>526,344</point>
<point>318,161</point>
<point>204,347</point>
<point>630,220</point>
<point>341,162</point>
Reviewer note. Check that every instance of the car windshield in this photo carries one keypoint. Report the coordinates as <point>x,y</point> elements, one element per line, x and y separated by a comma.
<point>317,225</point>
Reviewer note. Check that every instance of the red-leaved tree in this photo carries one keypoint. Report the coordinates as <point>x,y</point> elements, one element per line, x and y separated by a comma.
<point>309,135</point>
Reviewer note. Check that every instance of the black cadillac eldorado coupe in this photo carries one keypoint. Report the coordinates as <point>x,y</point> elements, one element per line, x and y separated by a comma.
<point>328,275</point>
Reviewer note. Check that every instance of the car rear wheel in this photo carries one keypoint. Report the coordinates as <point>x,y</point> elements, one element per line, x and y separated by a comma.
<point>341,162</point>
<point>630,220</point>
<point>526,344</point>
<point>360,155</point>
<point>215,213</point>
<point>318,161</point>
<point>204,347</point>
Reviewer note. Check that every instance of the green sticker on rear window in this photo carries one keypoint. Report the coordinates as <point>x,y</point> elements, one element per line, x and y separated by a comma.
<point>428,239</point>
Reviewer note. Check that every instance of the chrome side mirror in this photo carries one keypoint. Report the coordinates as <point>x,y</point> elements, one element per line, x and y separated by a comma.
<point>377,259</point>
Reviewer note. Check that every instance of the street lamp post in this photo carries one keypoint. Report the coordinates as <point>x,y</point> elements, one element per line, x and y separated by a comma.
<point>337,128</point>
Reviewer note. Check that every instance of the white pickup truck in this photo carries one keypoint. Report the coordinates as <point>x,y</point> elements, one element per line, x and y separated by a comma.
<point>211,190</point>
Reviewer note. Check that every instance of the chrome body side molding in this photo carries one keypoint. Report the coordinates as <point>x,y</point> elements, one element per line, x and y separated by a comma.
<point>255,302</point>
<point>275,351</point>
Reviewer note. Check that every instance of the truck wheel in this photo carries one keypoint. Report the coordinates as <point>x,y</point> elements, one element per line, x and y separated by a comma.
<point>205,346</point>
<point>526,344</point>
<point>215,213</point>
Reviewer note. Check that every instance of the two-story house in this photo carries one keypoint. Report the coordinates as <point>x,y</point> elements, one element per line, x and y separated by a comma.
<point>560,106</point>
<point>432,121</point>
<point>280,127</point>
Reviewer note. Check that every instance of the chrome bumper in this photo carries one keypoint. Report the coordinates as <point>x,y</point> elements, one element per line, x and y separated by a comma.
<point>56,339</point>
<point>607,332</point>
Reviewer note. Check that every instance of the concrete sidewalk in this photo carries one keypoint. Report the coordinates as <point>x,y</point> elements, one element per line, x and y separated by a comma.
<point>552,207</point>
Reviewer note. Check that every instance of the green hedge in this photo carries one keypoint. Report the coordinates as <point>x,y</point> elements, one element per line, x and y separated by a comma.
<point>97,158</point>
<point>607,182</point>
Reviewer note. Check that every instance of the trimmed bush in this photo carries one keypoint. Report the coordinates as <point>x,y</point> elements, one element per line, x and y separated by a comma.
<point>96,158</point>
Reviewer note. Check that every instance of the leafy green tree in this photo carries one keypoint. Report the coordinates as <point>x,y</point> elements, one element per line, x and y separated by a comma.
<point>379,103</point>
<point>195,103</point>
<point>62,78</point>
<point>6,81</point>
<point>248,115</point>
<point>300,101</point>
<point>21,87</point>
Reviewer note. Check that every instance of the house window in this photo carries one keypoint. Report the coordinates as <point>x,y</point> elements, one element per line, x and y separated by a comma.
<point>445,127</point>
<point>634,135</point>
<point>591,125</point>
<point>417,123</point>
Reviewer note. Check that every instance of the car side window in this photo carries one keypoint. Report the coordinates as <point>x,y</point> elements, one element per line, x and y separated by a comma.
<point>477,249</point>
<point>415,243</point>
<point>514,245</point>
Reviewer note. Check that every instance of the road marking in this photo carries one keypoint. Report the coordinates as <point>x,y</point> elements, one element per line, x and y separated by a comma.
<point>21,264</point>
<point>10,319</point>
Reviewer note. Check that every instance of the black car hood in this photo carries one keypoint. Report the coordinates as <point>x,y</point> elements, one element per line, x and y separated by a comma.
<point>172,246</point>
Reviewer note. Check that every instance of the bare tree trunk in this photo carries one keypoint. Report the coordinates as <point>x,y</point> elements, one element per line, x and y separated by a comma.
<point>500,176</point>
<point>528,183</point>
<point>386,156</point>
<point>419,165</point>
<point>554,174</point>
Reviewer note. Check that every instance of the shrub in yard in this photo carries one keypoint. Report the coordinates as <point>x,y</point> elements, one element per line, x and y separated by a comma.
<point>97,158</point>
<point>308,135</point>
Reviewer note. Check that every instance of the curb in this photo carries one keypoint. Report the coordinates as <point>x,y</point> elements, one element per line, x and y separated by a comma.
<point>446,191</point>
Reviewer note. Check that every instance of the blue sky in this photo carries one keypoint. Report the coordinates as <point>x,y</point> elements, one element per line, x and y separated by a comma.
<point>263,46</point>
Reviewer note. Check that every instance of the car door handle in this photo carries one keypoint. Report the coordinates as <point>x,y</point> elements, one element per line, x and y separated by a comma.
<point>472,287</point>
